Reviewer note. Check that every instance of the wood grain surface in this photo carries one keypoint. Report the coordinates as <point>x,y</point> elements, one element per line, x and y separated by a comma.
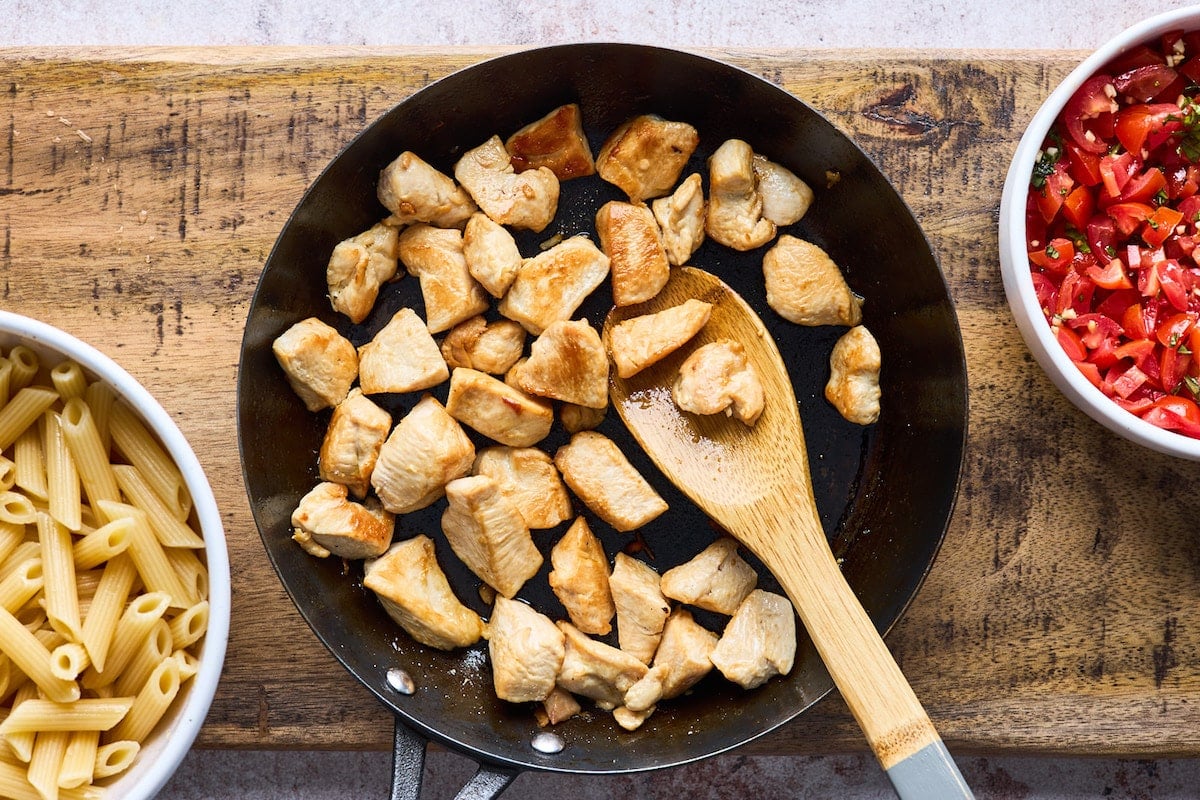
<point>141,191</point>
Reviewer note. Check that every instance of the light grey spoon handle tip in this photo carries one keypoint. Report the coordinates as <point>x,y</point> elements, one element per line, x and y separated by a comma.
<point>929,774</point>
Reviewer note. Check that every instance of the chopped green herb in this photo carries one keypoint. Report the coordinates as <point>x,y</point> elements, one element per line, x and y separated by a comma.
<point>1044,167</point>
<point>1051,251</point>
<point>1079,240</point>
<point>1193,385</point>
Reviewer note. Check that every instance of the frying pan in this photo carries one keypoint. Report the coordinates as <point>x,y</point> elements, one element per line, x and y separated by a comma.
<point>885,492</point>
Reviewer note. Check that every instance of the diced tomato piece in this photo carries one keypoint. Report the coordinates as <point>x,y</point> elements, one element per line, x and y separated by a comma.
<point>1056,256</point>
<point>1118,302</point>
<point>1174,413</point>
<point>1089,101</point>
<point>1174,284</point>
<point>1190,69</point>
<point>1091,372</point>
<point>1135,323</point>
<point>1175,329</point>
<point>1071,343</point>
<point>1160,225</point>
<point>1128,217</point>
<point>1053,192</point>
<point>1115,172</point>
<point>1083,165</point>
<point>1172,366</point>
<point>1134,124</point>
<point>1111,276</point>
<point>1137,56</point>
<point>1104,355</point>
<point>1094,328</point>
<point>1143,188</point>
<point>1189,210</point>
<point>1141,351</point>
<point>1129,381</point>
<point>1140,84</point>
<point>1102,237</point>
<point>1074,293</point>
<point>1078,207</point>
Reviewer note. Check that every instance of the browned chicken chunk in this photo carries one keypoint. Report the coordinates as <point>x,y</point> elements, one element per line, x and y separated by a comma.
<point>805,286</point>
<point>716,579</point>
<point>426,450</point>
<point>435,257</point>
<point>527,199</point>
<point>489,534</point>
<point>580,579</point>
<point>682,659</point>
<point>526,649</point>
<point>555,141</point>
<point>320,364</point>
<point>681,220</point>
<point>552,284</point>
<point>641,608</point>
<point>528,478</point>
<point>576,418</point>
<point>357,429</point>
<point>497,410</point>
<point>637,261</point>
<point>357,268</point>
<point>558,707</point>
<point>853,385</point>
<point>646,154</point>
<point>638,342</point>
<point>598,473</point>
<point>567,362</point>
<point>491,253</point>
<point>596,670</point>
<point>416,192</point>
<point>735,206</point>
<point>717,377</point>
<point>491,347</point>
<point>344,528</point>
<point>786,198</point>
<point>414,591</point>
<point>402,357</point>
<point>759,642</point>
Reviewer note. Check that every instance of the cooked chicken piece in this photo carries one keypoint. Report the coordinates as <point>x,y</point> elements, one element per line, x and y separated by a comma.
<point>521,200</point>
<point>526,649</point>
<point>785,197</point>
<point>759,642</point>
<point>555,141</point>
<point>497,410</point>
<point>681,219</point>
<point>638,342</point>
<point>435,257</point>
<point>344,528</point>
<point>805,286</point>
<point>641,608</point>
<point>629,719</point>
<point>735,205</point>
<point>489,534</point>
<point>528,478</point>
<point>681,661</point>
<point>558,707</point>
<point>357,268</point>
<point>357,429</point>
<point>597,670</point>
<point>576,418</point>
<point>308,544</point>
<point>552,284</point>
<point>416,192</point>
<point>717,377</point>
<point>716,579</point>
<point>567,362</point>
<point>402,357</point>
<point>638,263</point>
<point>320,364</point>
<point>580,579</point>
<point>853,385</point>
<point>510,377</point>
<point>426,450</point>
<point>646,155</point>
<point>415,593</point>
<point>491,252</point>
<point>491,347</point>
<point>596,470</point>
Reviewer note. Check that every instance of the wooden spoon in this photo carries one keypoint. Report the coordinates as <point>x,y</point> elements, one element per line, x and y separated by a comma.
<point>755,483</point>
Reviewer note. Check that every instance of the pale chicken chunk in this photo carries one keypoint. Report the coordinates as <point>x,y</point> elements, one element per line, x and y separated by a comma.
<point>682,660</point>
<point>491,252</point>
<point>759,642</point>
<point>435,257</point>
<point>491,347</point>
<point>401,357</point>
<point>576,418</point>
<point>555,141</point>
<point>357,429</point>
<point>527,199</point>
<point>785,197</point>
<point>637,261</point>
<point>638,342</point>
<point>596,470</point>
<point>489,534</point>
<point>681,220</point>
<point>357,268</point>
<point>642,609</point>
<point>580,579</point>
<point>717,377</point>
<point>716,579</point>
<point>320,364</point>
<point>735,205</point>
<point>497,410</point>
<point>327,516</point>
<point>414,592</point>
<point>597,670</point>
<point>853,385</point>
<point>558,707</point>
<point>426,450</point>
<point>646,154</point>
<point>552,284</point>
<point>805,286</point>
<point>528,478</point>
<point>416,192</point>
<point>526,649</point>
<point>567,362</point>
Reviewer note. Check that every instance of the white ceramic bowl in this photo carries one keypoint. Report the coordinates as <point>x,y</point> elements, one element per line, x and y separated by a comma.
<point>171,740</point>
<point>1014,262</point>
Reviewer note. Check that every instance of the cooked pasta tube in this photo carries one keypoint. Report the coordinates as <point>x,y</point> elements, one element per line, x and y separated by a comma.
<point>19,586</point>
<point>45,762</point>
<point>100,398</point>
<point>30,463</point>
<point>143,451</point>
<point>25,364</point>
<point>150,704</point>
<point>22,410</point>
<point>189,625</point>
<point>62,478</point>
<point>171,531</point>
<point>154,648</point>
<point>88,714</point>
<point>91,460</point>
<point>22,742</point>
<point>135,625</point>
<point>58,573</point>
<point>11,535</point>
<point>148,555</point>
<point>6,369</point>
<point>8,473</point>
<point>115,757</point>
<point>189,665</point>
<point>68,379</point>
<point>14,784</point>
<point>191,570</point>
<point>79,761</point>
<point>103,544</point>
<point>100,624</point>
<point>68,660</point>
<point>33,658</point>
<point>16,508</point>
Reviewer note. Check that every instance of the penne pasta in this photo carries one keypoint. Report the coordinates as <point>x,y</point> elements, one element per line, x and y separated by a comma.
<point>79,761</point>
<point>100,624</point>
<point>45,762</point>
<point>22,410</point>
<point>189,665</point>
<point>16,508</point>
<point>191,570</point>
<point>89,714</point>
<point>149,557</point>
<point>151,703</point>
<point>100,398</point>
<point>171,531</point>
<point>14,785</point>
<point>58,575</point>
<point>68,379</point>
<point>143,451</point>
<point>62,479</point>
<point>25,364</point>
<point>8,473</point>
<point>33,658</point>
<point>22,743</point>
<point>24,551</point>
<point>11,535</point>
<point>115,757</point>
<point>6,369</point>
<point>19,586</point>
<point>103,544</point>
<point>154,649</point>
<point>135,625</point>
<point>30,463</point>
<point>87,451</point>
<point>68,660</point>
<point>189,625</point>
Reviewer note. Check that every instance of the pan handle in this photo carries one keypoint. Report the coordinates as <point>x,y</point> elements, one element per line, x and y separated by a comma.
<point>408,769</point>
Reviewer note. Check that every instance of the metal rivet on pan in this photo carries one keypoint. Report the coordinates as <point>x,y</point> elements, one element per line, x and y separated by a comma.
<point>401,681</point>
<point>549,743</point>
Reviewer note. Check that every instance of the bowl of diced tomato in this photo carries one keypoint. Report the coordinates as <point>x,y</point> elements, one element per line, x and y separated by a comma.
<point>1099,238</point>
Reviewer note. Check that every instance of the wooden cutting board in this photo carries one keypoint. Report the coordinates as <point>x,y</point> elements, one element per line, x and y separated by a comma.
<point>141,190</point>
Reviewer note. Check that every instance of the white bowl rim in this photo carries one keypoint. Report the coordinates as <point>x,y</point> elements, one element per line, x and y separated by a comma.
<point>1018,285</point>
<point>186,723</point>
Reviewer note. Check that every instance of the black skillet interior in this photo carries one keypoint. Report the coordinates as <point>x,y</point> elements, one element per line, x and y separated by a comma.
<point>885,492</point>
